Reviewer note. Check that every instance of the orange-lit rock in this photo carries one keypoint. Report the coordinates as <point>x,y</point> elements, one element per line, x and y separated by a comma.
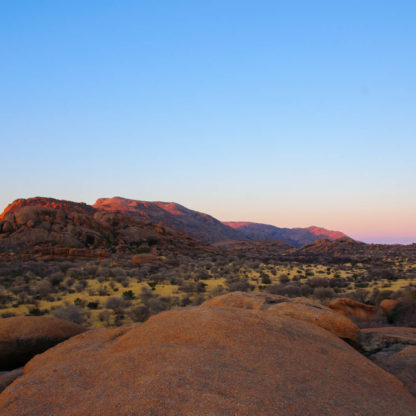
<point>387,305</point>
<point>352,308</point>
<point>206,361</point>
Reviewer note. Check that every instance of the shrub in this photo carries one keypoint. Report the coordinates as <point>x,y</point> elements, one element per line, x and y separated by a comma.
<point>56,278</point>
<point>70,313</point>
<point>316,282</point>
<point>117,304</point>
<point>8,315</point>
<point>284,278</point>
<point>306,290</point>
<point>128,294</point>
<point>338,282</point>
<point>43,288</point>
<point>266,279</point>
<point>285,290</point>
<point>139,313</point>
<point>36,312</point>
<point>323,293</point>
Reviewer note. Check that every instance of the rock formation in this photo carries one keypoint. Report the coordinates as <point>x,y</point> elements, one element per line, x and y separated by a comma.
<point>22,337</point>
<point>393,349</point>
<point>215,359</point>
<point>352,308</point>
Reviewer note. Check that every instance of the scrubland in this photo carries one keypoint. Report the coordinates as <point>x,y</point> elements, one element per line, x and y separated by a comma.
<point>115,291</point>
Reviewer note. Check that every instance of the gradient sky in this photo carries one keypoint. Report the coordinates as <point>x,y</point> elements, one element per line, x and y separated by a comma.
<point>291,113</point>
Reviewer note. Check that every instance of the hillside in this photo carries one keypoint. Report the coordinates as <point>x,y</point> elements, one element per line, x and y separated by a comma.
<point>297,237</point>
<point>345,247</point>
<point>193,223</point>
<point>65,206</point>
<point>49,225</point>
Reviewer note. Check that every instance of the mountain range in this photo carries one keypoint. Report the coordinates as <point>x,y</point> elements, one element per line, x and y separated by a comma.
<point>297,237</point>
<point>197,225</point>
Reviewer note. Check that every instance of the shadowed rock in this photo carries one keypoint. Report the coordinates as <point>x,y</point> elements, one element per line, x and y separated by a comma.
<point>394,350</point>
<point>22,337</point>
<point>7,377</point>
<point>206,361</point>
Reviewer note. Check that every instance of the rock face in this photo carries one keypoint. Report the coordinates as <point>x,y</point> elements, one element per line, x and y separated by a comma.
<point>394,350</point>
<point>206,360</point>
<point>7,377</point>
<point>22,337</point>
<point>352,308</point>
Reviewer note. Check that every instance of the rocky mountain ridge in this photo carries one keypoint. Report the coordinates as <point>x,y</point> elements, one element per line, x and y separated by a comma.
<point>295,236</point>
<point>197,225</point>
<point>62,227</point>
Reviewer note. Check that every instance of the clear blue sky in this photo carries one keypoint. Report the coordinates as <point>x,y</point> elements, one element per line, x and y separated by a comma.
<point>285,112</point>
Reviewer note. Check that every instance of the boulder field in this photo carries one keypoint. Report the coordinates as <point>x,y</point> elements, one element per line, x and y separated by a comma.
<point>234,355</point>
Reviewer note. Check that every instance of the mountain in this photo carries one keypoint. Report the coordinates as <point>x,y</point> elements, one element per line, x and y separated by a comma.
<point>66,206</point>
<point>345,247</point>
<point>295,236</point>
<point>194,224</point>
<point>47,225</point>
<point>177,217</point>
<point>320,232</point>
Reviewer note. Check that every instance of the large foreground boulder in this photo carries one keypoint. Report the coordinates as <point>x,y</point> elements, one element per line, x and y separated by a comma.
<point>206,361</point>
<point>22,337</point>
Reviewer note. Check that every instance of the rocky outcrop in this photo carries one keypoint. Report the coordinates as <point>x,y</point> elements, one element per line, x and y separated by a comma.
<point>23,337</point>
<point>78,230</point>
<point>66,206</point>
<point>298,308</point>
<point>206,360</point>
<point>177,217</point>
<point>388,305</point>
<point>394,350</point>
<point>138,259</point>
<point>241,300</point>
<point>352,308</point>
<point>338,325</point>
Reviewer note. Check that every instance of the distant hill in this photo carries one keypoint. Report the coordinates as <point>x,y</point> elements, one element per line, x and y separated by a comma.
<point>38,201</point>
<point>52,226</point>
<point>177,217</point>
<point>297,237</point>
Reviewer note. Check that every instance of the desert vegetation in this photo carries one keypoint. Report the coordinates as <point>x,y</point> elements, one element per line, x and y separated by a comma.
<point>114,291</point>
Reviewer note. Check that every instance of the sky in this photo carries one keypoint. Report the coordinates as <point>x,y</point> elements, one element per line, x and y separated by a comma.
<point>288,113</point>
